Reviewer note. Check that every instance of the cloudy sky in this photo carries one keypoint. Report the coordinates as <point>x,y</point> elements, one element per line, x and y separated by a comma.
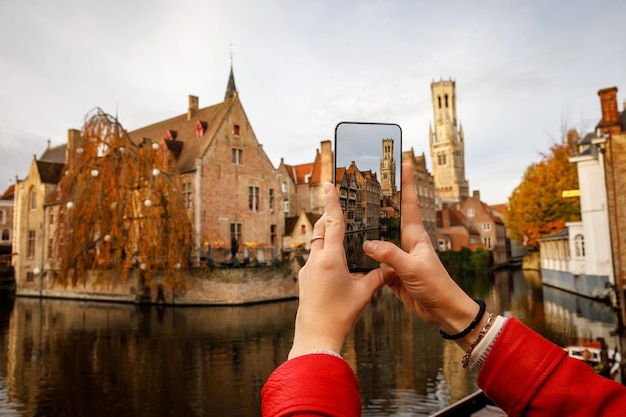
<point>521,68</point>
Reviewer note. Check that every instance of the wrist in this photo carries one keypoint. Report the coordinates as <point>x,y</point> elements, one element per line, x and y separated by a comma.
<point>463,314</point>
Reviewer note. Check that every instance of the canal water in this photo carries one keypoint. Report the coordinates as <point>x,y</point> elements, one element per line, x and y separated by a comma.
<point>70,358</point>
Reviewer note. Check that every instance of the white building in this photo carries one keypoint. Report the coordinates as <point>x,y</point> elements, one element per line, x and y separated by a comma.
<point>579,259</point>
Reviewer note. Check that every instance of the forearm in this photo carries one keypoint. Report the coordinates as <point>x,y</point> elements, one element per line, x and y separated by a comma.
<point>525,374</point>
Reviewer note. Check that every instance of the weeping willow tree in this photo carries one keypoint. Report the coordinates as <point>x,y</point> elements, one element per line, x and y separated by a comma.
<point>122,209</point>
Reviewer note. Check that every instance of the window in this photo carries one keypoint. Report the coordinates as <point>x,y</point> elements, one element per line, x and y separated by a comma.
<point>6,236</point>
<point>235,232</point>
<point>446,97</point>
<point>33,199</point>
<point>237,156</point>
<point>441,158</point>
<point>50,247</point>
<point>30,277</point>
<point>439,100</point>
<point>579,246</point>
<point>487,242</point>
<point>31,244</point>
<point>253,198</point>
<point>470,212</point>
<point>286,206</point>
<point>236,130</point>
<point>273,234</point>
<point>486,226</point>
<point>284,187</point>
<point>271,200</point>
<point>187,194</point>
<point>3,217</point>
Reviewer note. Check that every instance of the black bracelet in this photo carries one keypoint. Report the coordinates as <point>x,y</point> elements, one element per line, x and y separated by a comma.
<point>472,325</point>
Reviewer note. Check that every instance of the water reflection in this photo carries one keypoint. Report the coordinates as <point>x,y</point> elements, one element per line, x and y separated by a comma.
<point>75,359</point>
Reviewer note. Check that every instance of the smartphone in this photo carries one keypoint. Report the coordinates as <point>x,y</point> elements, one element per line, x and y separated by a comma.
<point>368,164</point>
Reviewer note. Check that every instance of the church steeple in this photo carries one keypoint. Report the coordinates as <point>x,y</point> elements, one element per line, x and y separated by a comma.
<point>231,90</point>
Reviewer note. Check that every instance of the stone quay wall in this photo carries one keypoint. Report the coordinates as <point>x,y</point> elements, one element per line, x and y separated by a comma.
<point>221,286</point>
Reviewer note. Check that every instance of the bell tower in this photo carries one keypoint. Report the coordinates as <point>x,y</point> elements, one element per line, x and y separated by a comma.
<point>447,147</point>
<point>387,169</point>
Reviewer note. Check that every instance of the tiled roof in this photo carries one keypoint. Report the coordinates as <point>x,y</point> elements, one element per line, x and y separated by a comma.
<point>9,193</point>
<point>55,154</point>
<point>193,147</point>
<point>50,172</point>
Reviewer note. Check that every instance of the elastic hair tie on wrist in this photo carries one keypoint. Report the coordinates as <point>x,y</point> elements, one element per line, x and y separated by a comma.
<point>472,325</point>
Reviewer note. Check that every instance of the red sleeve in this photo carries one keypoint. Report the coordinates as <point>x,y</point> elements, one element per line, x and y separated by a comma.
<point>312,385</point>
<point>525,374</point>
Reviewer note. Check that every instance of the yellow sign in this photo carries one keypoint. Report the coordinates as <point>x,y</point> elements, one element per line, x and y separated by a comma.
<point>570,193</point>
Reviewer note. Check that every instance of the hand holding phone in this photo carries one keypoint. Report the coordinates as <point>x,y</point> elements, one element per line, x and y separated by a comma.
<point>368,159</point>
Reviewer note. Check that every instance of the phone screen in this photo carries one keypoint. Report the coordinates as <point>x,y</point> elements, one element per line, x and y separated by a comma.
<point>368,164</point>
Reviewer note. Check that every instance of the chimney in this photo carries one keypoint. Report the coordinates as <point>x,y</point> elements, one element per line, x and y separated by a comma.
<point>193,107</point>
<point>476,194</point>
<point>610,115</point>
<point>74,141</point>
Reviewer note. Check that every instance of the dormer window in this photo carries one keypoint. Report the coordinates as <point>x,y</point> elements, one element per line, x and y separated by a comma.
<point>236,130</point>
<point>171,134</point>
<point>200,128</point>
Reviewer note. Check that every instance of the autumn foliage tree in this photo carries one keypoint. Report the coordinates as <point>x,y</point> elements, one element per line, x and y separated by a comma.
<point>537,206</point>
<point>121,209</point>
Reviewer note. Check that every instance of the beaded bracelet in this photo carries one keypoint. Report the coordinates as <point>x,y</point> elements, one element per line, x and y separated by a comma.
<point>468,329</point>
<point>466,358</point>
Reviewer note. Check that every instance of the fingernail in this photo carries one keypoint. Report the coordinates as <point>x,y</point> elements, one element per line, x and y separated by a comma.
<point>369,246</point>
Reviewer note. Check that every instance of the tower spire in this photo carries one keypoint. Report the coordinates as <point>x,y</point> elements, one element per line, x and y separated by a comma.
<point>231,90</point>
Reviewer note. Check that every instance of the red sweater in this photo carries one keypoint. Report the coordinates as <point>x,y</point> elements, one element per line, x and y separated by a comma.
<point>524,374</point>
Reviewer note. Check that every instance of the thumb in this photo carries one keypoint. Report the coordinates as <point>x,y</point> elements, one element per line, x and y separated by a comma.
<point>387,253</point>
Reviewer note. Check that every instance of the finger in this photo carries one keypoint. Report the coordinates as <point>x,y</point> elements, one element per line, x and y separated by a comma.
<point>377,278</point>
<point>390,254</point>
<point>334,228</point>
<point>319,229</point>
<point>411,216</point>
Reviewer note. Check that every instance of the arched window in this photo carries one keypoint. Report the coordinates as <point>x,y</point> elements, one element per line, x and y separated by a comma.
<point>33,198</point>
<point>579,246</point>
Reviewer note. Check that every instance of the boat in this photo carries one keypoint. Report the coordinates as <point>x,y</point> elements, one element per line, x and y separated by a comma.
<point>591,354</point>
<point>474,405</point>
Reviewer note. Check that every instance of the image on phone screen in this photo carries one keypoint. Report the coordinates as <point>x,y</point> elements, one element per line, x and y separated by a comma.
<point>368,160</point>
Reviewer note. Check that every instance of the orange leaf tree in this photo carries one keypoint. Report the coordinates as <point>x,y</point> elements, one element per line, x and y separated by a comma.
<point>122,209</point>
<point>536,207</point>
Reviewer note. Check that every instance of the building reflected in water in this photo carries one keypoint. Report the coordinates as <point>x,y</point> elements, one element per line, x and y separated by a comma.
<point>75,359</point>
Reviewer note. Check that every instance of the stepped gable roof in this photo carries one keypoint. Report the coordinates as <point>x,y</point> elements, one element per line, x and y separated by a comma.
<point>9,193</point>
<point>55,154</point>
<point>339,173</point>
<point>191,146</point>
<point>50,172</point>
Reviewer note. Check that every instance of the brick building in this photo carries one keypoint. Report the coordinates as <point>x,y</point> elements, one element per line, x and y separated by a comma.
<point>302,184</point>
<point>489,224</point>
<point>456,231</point>
<point>230,187</point>
<point>6,225</point>
<point>426,193</point>
<point>611,137</point>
